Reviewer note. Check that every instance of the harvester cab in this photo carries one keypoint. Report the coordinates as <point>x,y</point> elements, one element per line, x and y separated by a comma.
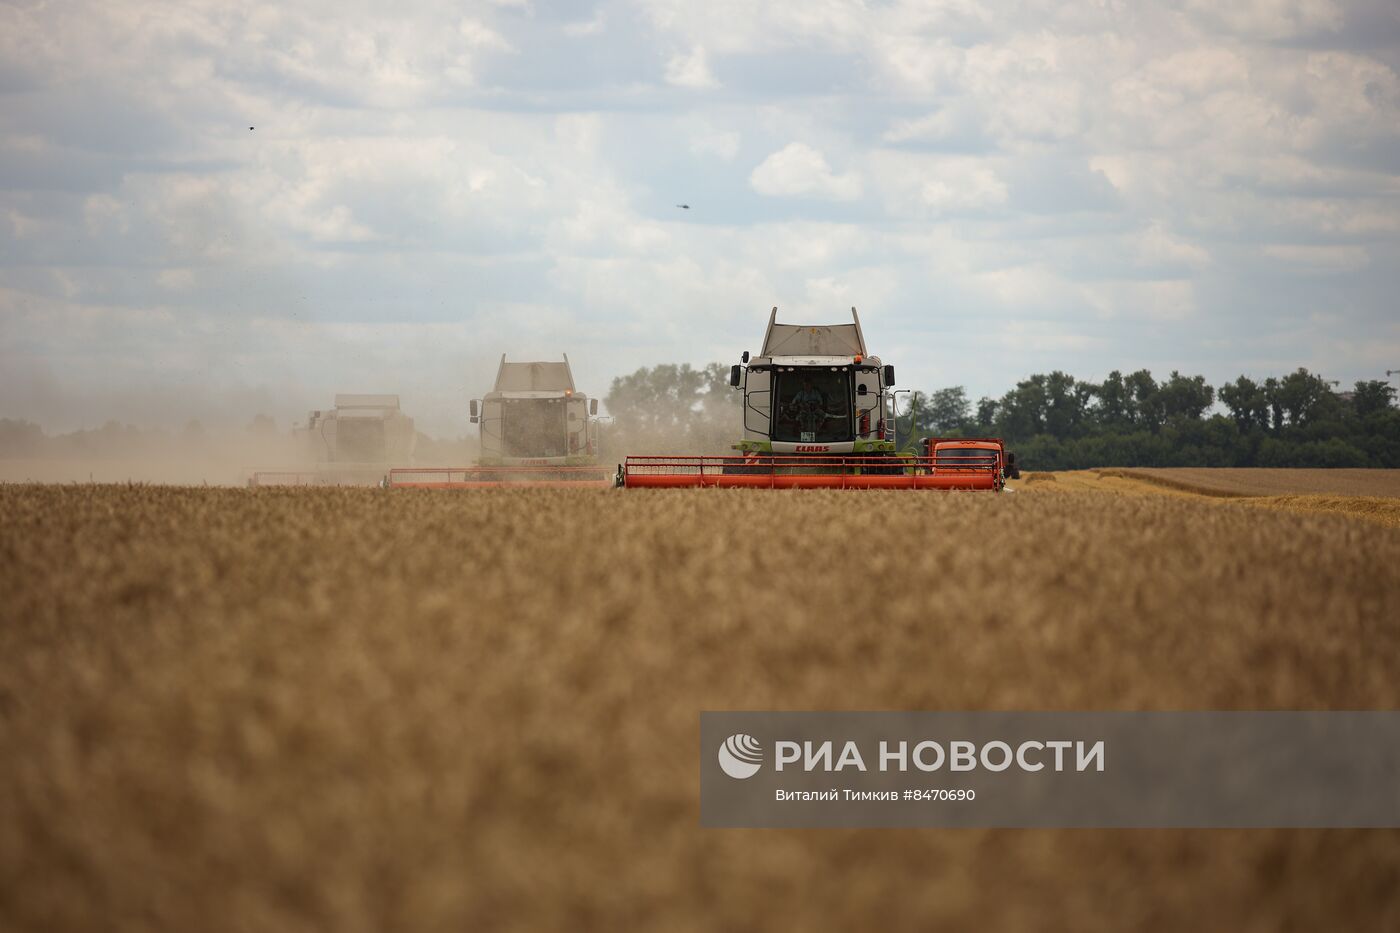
<point>815,390</point>
<point>535,428</point>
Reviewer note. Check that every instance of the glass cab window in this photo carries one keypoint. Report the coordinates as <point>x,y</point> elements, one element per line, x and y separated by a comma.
<point>534,427</point>
<point>974,458</point>
<point>812,406</point>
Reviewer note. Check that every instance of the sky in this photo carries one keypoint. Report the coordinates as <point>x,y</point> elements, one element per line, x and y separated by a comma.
<point>214,209</point>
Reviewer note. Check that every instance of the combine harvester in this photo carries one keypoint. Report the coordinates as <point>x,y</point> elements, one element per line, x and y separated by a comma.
<point>536,430</point>
<point>819,412</point>
<point>352,444</point>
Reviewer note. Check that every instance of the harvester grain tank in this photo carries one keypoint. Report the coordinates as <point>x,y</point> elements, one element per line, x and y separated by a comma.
<point>536,428</point>
<point>818,412</point>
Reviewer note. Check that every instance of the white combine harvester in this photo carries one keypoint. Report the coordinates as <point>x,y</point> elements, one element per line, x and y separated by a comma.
<point>819,413</point>
<point>536,428</point>
<point>815,390</point>
<point>352,444</point>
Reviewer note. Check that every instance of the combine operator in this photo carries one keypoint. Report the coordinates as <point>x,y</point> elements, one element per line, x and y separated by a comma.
<point>808,410</point>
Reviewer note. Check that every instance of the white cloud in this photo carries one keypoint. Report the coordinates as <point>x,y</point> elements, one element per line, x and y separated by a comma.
<point>1157,247</point>
<point>962,186</point>
<point>798,170</point>
<point>933,127</point>
<point>707,140</point>
<point>175,279</point>
<point>730,26</point>
<point>588,27</point>
<point>691,69</point>
<point>929,185</point>
<point>1271,20</point>
<point>22,226</point>
<point>1156,300</point>
<point>480,36</point>
<point>1318,259</point>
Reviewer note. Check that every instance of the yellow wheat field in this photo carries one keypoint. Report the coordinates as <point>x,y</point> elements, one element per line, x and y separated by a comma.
<point>1368,495</point>
<point>1272,482</point>
<point>361,710</point>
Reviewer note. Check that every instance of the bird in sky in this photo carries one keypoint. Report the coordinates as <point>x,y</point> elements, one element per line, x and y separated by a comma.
<point>684,207</point>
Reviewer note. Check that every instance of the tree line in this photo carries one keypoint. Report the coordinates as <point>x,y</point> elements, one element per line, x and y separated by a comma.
<point>1058,422</point>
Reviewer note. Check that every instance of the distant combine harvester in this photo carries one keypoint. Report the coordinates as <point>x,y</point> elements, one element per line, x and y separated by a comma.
<point>352,444</point>
<point>536,429</point>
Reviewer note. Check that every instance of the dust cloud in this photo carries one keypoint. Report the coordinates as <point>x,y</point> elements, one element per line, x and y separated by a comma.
<point>192,455</point>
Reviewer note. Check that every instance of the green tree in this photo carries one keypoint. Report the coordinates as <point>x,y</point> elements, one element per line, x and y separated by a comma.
<point>1021,413</point>
<point>1271,396</point>
<point>661,400</point>
<point>1066,404</point>
<point>1116,408</point>
<point>1185,397</point>
<point>1147,403</point>
<point>675,406</point>
<point>986,414</point>
<point>1372,396</point>
<point>721,414</point>
<point>948,411</point>
<point>1303,396</point>
<point>1248,403</point>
